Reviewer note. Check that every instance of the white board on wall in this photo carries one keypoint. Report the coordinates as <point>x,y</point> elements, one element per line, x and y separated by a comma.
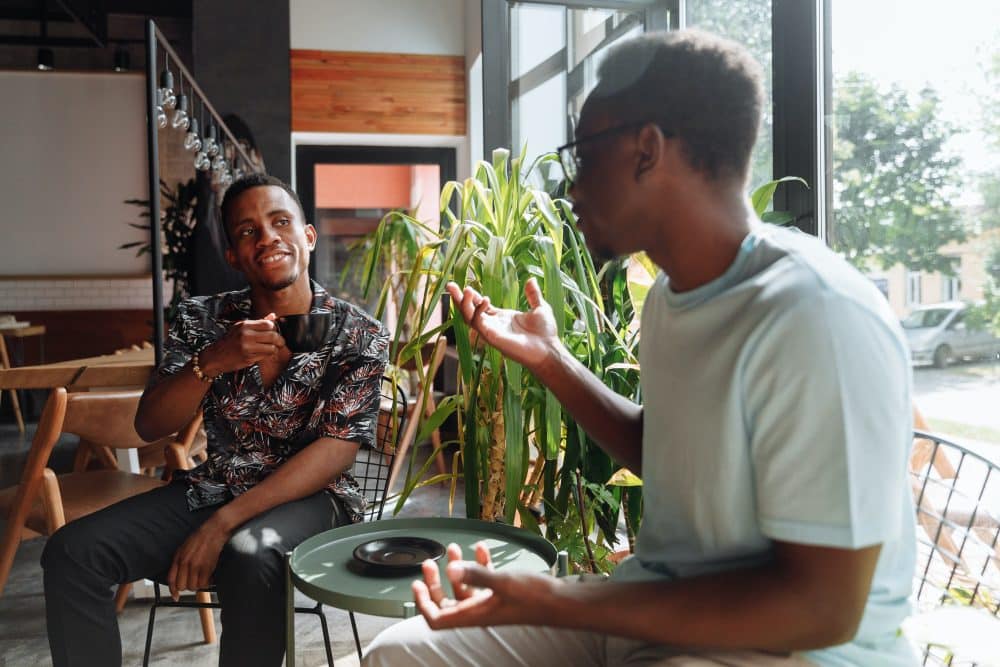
<point>73,149</point>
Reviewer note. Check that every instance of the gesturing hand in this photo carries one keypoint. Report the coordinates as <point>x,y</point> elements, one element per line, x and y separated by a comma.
<point>529,338</point>
<point>482,596</point>
<point>246,343</point>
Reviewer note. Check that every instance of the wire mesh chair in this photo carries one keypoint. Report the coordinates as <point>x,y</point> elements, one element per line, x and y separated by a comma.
<point>957,495</point>
<point>371,469</point>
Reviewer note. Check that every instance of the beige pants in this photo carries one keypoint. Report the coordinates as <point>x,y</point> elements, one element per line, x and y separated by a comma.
<point>412,643</point>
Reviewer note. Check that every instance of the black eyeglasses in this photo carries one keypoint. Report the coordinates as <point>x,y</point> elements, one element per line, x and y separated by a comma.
<point>567,152</point>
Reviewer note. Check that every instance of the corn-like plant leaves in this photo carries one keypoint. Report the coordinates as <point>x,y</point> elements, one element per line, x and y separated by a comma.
<point>624,477</point>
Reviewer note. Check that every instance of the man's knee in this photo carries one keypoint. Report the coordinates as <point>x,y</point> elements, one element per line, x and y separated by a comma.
<point>252,558</point>
<point>66,549</point>
<point>398,644</point>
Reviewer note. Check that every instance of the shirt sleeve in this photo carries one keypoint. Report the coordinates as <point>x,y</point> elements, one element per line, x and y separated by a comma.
<point>829,417</point>
<point>179,346</point>
<point>351,408</point>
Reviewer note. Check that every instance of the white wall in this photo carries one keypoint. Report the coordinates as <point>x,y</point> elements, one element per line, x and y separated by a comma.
<point>429,27</point>
<point>74,148</point>
<point>474,80</point>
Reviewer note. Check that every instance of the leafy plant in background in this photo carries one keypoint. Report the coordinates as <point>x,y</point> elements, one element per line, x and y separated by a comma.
<point>761,198</point>
<point>177,228</point>
<point>398,245</point>
<point>502,232</point>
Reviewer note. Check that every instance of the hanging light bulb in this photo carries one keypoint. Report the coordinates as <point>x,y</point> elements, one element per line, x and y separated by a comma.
<point>210,145</point>
<point>46,61</point>
<point>169,99</point>
<point>159,113</point>
<point>122,60</point>
<point>192,142</point>
<point>219,163</point>
<point>201,161</point>
<point>181,121</point>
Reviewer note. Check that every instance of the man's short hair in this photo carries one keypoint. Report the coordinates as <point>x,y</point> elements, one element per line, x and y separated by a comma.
<point>245,183</point>
<point>698,87</point>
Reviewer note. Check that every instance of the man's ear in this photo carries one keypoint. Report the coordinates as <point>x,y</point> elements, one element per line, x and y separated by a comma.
<point>231,259</point>
<point>311,236</point>
<point>651,146</point>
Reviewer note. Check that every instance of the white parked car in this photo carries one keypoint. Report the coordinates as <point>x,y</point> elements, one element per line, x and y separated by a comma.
<point>937,334</point>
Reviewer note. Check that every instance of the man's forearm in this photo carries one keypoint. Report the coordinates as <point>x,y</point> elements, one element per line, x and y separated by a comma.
<point>764,608</point>
<point>612,420</point>
<point>307,472</point>
<point>168,406</point>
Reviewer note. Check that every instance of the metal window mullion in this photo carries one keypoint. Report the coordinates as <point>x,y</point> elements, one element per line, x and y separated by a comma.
<point>496,75</point>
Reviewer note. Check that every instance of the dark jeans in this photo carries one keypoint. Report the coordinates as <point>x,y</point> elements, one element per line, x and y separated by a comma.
<point>137,539</point>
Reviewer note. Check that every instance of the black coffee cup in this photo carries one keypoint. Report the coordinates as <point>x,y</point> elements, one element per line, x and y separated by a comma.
<point>305,333</point>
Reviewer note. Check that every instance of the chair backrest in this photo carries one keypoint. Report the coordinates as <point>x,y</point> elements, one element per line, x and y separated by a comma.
<point>105,418</point>
<point>373,466</point>
<point>957,494</point>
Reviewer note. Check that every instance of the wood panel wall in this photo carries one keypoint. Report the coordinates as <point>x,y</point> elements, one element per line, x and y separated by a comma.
<point>394,93</point>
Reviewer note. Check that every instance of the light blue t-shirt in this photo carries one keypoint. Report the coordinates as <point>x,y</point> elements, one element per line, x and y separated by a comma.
<point>777,407</point>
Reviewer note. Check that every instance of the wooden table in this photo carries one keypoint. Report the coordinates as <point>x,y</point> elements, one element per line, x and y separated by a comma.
<point>128,369</point>
<point>16,332</point>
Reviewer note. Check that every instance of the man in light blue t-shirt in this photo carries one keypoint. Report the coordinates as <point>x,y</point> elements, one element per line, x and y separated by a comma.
<point>774,436</point>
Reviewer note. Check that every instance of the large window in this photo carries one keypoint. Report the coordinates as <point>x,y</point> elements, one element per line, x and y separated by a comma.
<point>915,174</point>
<point>749,23</point>
<point>555,51</point>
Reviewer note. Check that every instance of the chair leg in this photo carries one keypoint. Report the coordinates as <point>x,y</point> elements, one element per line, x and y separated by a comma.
<point>149,628</point>
<point>326,634</point>
<point>207,620</point>
<point>354,629</point>
<point>121,596</point>
<point>11,541</point>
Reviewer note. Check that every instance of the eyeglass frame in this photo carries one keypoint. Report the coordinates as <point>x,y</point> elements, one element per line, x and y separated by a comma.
<point>569,149</point>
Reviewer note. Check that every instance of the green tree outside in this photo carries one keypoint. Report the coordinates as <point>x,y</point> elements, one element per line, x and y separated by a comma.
<point>749,23</point>
<point>893,178</point>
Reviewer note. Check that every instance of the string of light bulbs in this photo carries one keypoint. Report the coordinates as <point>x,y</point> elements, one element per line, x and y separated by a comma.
<point>183,112</point>
<point>212,144</point>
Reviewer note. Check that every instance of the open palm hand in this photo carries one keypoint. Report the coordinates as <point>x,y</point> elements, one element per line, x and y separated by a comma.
<point>529,338</point>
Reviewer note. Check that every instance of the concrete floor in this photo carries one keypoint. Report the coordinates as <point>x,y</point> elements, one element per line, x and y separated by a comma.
<point>177,639</point>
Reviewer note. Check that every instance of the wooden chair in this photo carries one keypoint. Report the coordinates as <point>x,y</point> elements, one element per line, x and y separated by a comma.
<point>191,440</point>
<point>422,402</point>
<point>43,501</point>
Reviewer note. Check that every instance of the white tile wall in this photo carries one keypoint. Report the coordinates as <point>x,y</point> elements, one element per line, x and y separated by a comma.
<point>77,294</point>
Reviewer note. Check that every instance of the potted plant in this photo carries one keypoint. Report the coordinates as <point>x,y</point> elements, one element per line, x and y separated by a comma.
<point>177,226</point>
<point>517,448</point>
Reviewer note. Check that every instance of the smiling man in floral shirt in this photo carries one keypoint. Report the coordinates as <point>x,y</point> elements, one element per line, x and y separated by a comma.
<point>283,429</point>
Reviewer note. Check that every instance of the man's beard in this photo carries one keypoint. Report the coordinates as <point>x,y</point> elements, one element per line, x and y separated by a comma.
<point>281,283</point>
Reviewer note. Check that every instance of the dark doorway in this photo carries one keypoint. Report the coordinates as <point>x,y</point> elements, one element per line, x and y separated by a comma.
<point>346,190</point>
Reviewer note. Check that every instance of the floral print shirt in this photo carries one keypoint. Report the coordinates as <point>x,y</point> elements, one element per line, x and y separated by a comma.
<point>333,392</point>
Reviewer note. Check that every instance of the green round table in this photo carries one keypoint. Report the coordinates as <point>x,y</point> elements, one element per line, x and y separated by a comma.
<point>324,568</point>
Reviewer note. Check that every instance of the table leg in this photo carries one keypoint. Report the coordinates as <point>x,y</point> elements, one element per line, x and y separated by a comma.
<point>5,363</point>
<point>289,614</point>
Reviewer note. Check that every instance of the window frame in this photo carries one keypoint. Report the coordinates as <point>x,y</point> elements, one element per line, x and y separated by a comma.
<point>801,93</point>
<point>499,91</point>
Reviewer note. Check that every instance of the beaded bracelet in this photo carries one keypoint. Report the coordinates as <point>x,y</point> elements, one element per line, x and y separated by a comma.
<point>198,373</point>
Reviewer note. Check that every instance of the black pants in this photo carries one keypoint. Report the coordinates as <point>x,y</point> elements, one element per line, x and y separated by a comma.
<point>137,539</point>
